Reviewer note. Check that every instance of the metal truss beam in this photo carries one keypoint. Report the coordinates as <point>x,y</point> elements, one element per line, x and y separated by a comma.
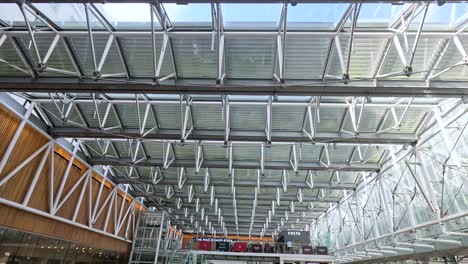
<point>243,197</point>
<point>260,208</point>
<point>313,103</point>
<point>380,200</point>
<point>240,183</point>
<point>232,1</point>
<point>453,89</point>
<point>270,165</point>
<point>258,212</point>
<point>82,185</point>
<point>237,136</point>
<point>245,222</point>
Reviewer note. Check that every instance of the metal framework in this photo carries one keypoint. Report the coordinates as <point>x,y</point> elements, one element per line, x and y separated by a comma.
<point>167,77</point>
<point>250,130</point>
<point>156,159</point>
<point>416,204</point>
<point>115,198</point>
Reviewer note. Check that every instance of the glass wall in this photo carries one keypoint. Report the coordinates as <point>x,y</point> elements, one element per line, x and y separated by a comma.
<point>20,247</point>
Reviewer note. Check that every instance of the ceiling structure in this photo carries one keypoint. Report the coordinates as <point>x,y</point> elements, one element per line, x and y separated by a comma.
<point>234,122</point>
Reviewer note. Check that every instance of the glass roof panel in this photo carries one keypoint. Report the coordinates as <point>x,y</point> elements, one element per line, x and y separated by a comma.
<point>315,16</point>
<point>445,16</point>
<point>448,16</point>
<point>11,15</point>
<point>68,16</point>
<point>125,16</point>
<point>241,16</point>
<point>379,14</point>
<point>191,15</point>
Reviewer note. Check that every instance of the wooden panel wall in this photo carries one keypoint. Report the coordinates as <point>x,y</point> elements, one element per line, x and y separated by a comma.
<point>93,196</point>
<point>29,222</point>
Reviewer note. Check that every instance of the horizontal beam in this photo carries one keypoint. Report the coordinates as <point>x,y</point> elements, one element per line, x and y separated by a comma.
<point>169,100</point>
<point>268,165</point>
<point>240,183</point>
<point>259,216</point>
<point>241,136</point>
<point>233,1</point>
<point>405,88</point>
<point>178,32</point>
<point>261,197</point>
<point>258,209</point>
<point>227,205</point>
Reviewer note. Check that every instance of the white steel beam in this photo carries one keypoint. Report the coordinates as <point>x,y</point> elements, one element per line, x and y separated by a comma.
<point>16,136</point>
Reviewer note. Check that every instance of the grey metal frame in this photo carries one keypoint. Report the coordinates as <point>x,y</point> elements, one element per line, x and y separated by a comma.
<point>360,216</point>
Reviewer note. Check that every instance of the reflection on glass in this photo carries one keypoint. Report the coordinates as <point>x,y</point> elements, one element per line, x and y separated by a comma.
<point>68,16</point>
<point>125,16</point>
<point>20,247</point>
<point>191,15</point>
<point>443,17</point>
<point>257,16</point>
<point>12,16</point>
<point>379,15</point>
<point>315,16</point>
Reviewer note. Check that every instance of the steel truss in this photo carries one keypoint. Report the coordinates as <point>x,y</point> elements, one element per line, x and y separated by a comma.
<point>124,220</point>
<point>138,139</point>
<point>199,206</point>
<point>125,82</point>
<point>416,204</point>
<point>99,143</point>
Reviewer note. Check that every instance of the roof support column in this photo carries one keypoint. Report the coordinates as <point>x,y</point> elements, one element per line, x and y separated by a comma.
<point>221,75</point>
<point>279,73</point>
<point>157,9</point>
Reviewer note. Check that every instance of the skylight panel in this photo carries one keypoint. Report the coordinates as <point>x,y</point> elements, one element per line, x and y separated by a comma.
<point>251,16</point>
<point>125,16</point>
<point>11,15</point>
<point>191,15</point>
<point>379,14</point>
<point>448,16</point>
<point>68,16</point>
<point>315,16</point>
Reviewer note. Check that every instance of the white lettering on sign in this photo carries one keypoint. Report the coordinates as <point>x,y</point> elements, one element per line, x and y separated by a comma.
<point>292,233</point>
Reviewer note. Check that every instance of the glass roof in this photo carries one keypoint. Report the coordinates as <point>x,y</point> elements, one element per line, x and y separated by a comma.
<point>315,16</point>
<point>238,16</point>
<point>10,14</point>
<point>317,130</point>
<point>193,15</point>
<point>448,16</point>
<point>379,14</point>
<point>125,16</point>
<point>68,16</point>
<point>322,16</point>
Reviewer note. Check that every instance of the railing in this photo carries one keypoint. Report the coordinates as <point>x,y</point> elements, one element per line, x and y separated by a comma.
<point>305,248</point>
<point>172,250</point>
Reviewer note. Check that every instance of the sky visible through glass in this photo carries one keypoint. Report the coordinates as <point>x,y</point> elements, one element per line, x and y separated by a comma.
<point>126,16</point>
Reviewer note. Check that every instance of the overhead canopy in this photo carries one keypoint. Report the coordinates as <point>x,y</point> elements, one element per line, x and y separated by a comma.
<point>237,117</point>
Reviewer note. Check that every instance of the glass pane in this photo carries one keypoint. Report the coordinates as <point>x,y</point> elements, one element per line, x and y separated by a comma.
<point>68,16</point>
<point>379,15</point>
<point>11,14</point>
<point>315,16</point>
<point>127,16</point>
<point>241,16</point>
<point>191,15</point>
<point>443,17</point>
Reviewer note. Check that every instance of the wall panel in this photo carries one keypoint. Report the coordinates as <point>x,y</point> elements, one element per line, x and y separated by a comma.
<point>42,213</point>
<point>29,222</point>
